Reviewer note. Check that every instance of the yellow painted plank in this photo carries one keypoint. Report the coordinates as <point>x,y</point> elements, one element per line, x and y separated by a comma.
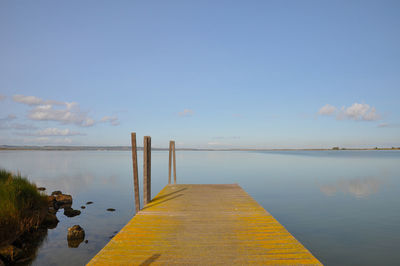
<point>203,224</point>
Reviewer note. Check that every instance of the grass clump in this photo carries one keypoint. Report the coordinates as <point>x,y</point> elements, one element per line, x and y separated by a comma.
<point>22,206</point>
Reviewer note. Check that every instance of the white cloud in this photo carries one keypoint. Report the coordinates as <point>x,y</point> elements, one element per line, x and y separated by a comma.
<point>52,132</point>
<point>327,109</point>
<point>57,132</point>
<point>186,112</point>
<point>2,97</point>
<point>113,120</point>
<point>30,100</point>
<point>357,111</point>
<point>65,113</point>
<point>46,140</point>
<point>33,100</point>
<point>88,122</point>
<point>62,112</point>
<point>70,113</point>
<point>20,126</point>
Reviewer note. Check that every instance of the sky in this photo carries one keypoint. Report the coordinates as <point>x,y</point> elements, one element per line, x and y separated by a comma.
<point>208,74</point>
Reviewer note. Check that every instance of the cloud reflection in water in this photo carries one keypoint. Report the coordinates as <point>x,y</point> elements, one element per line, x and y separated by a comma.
<point>358,187</point>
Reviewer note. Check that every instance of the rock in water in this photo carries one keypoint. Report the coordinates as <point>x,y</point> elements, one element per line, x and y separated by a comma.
<point>51,199</point>
<point>63,199</point>
<point>76,232</point>
<point>74,243</point>
<point>69,212</point>
<point>111,210</point>
<point>41,188</point>
<point>89,202</point>
<point>83,207</point>
<point>75,236</point>
<point>57,192</point>
<point>50,221</point>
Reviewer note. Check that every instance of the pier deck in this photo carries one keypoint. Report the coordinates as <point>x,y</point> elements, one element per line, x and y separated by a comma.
<point>203,224</point>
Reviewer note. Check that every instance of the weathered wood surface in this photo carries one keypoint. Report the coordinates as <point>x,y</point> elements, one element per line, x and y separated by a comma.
<point>170,162</point>
<point>174,155</point>
<point>146,170</point>
<point>135,172</point>
<point>203,224</point>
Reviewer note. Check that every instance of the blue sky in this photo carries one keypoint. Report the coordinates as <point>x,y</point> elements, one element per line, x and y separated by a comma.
<point>209,74</point>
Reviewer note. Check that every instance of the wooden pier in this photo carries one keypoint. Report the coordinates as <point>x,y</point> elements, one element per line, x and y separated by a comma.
<point>203,225</point>
<point>200,225</point>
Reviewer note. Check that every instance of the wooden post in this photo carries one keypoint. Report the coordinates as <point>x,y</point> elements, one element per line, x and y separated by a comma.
<point>135,172</point>
<point>170,162</point>
<point>146,170</point>
<point>174,162</point>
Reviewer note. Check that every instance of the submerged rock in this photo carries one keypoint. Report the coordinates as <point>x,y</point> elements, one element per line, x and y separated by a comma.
<point>74,243</point>
<point>111,210</point>
<point>89,202</point>
<point>75,236</point>
<point>69,212</point>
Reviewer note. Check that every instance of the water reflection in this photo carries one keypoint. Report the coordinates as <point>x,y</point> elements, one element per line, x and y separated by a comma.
<point>28,245</point>
<point>338,229</point>
<point>357,187</point>
<point>68,183</point>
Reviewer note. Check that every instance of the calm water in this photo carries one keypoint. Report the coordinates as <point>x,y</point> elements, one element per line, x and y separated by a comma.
<point>344,206</point>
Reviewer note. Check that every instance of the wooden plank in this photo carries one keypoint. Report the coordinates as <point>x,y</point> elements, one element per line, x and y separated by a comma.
<point>203,224</point>
<point>135,172</point>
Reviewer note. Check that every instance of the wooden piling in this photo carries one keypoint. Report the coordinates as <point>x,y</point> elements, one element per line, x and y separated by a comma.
<point>170,162</point>
<point>146,170</point>
<point>135,172</point>
<point>173,145</point>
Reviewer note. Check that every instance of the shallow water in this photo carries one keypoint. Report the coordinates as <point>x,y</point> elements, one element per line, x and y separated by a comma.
<point>344,206</point>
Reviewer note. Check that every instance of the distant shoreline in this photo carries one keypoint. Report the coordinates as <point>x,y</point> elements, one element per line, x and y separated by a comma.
<point>128,148</point>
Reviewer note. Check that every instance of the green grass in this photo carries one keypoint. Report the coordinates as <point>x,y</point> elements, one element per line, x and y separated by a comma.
<point>21,206</point>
